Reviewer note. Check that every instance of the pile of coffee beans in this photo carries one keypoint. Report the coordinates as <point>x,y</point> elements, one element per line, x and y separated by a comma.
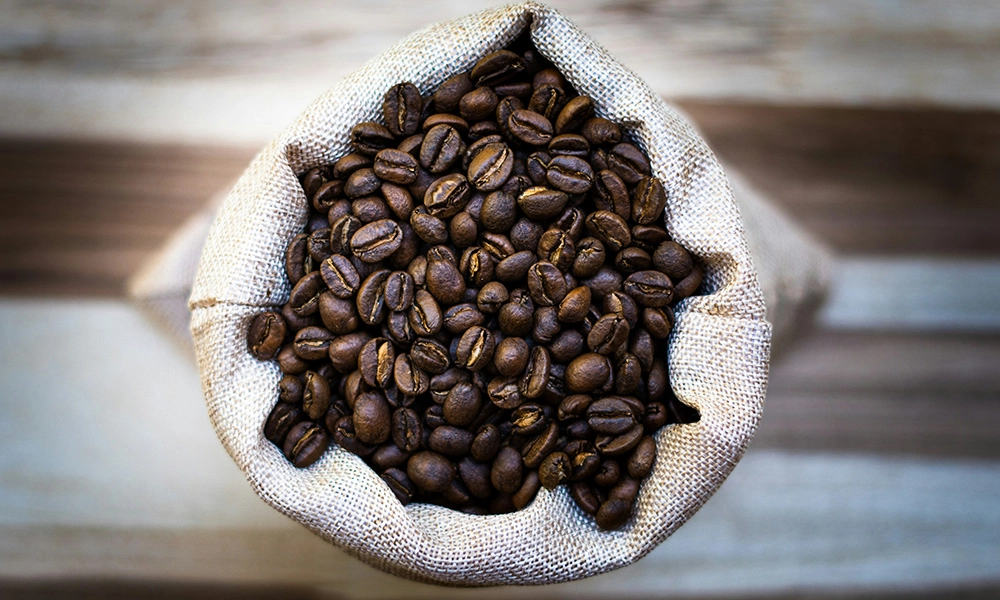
<point>481,299</point>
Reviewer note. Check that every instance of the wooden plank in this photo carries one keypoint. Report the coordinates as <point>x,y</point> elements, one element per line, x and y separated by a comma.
<point>872,181</point>
<point>211,71</point>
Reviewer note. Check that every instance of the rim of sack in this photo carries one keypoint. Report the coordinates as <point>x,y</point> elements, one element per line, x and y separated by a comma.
<point>717,335</point>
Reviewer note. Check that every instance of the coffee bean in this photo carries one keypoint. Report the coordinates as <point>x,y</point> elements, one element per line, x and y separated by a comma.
<point>508,470</point>
<point>425,314</point>
<point>305,444</point>
<point>587,372</point>
<point>371,297</point>
<point>462,405</point>
<point>361,183</point>
<point>610,228</point>
<point>475,348</point>
<point>463,230</point>
<point>402,487</point>
<point>401,109</point>
<point>613,514</point>
<point>311,181</point>
<point>658,321</point>
<point>298,262</point>
<point>448,96</point>
<point>610,415</point>
<point>376,361</point>
<point>290,389</point>
<point>341,232</point>
<point>574,305</point>
<point>622,305</point>
<point>444,281</point>
<point>529,127</point>
<point>547,100</point>
<point>546,284</point>
<point>608,473</point>
<point>491,167</point>
<point>318,245</point>
<point>541,446</point>
<point>283,417</point>
<point>265,335</point>
<point>628,162</point>
<point>350,163</point>
<point>617,444</point>
<point>600,131</point>
<point>395,166</point>
<point>570,174</point>
<point>689,285</point>
<point>650,288</point>
<point>546,324</point>
<point>496,68</point>
<point>406,429</point>
<point>574,114</point>
<point>516,315</point>
<point>585,497</point>
<point>648,237</point>
<point>339,315</point>
<point>398,199</point>
<point>511,356</point>
<point>608,334</point>
<point>371,418</point>
<point>340,276</point>
<point>649,201</point>
<point>604,282</point>
<point>633,259</point>
<point>441,147</point>
<point>304,298</point>
<point>527,492</point>
<point>430,471</point>
<point>369,138</point>
<point>316,395</point>
<point>497,245</point>
<point>504,393</point>
<point>344,350</point>
<point>450,440</point>
<point>554,470</point>
<point>536,373</point>
<point>476,476</point>
<point>376,241</point>
<point>589,258</point>
<point>566,346</point>
<point>410,379</point>
<point>515,267</point>
<point>640,462</point>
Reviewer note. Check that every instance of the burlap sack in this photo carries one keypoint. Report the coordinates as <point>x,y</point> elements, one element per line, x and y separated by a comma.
<point>718,354</point>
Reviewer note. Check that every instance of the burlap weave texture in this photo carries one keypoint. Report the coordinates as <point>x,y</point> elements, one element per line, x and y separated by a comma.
<point>718,355</point>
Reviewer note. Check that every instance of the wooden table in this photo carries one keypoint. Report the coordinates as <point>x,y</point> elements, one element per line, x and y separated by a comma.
<point>876,469</point>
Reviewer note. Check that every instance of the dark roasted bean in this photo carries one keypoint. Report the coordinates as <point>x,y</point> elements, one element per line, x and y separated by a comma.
<point>444,281</point>
<point>496,68</point>
<point>425,314</point>
<point>530,127</point>
<point>305,444</point>
<point>610,228</point>
<point>401,109</point>
<point>528,490</point>
<point>671,258</point>
<point>600,131</point>
<point>570,174</point>
<point>628,162</point>
<point>400,484</point>
<point>315,395</point>
<point>608,334</point>
<point>410,379</point>
<point>515,267</point>
<point>441,147</point>
<point>430,471</point>
<point>283,417</point>
<point>622,305</point>
<point>508,470</point>
<point>649,201</point>
<point>475,348</point>
<point>587,372</point>
<point>304,298</point>
<point>344,350</point>
<point>265,335</point>
<point>536,373</point>
<point>542,203</point>
<point>395,166</point>
<point>689,285</point>
<point>370,137</point>
<point>491,167</point>
<point>613,514</point>
<point>476,476</point>
<point>376,361</point>
<point>511,356</point>
<point>371,418</point>
<point>376,241</point>
<point>339,315</point>
<point>649,288</point>
<point>585,497</point>
<point>503,392</point>
<point>350,163</point>
<point>343,433</point>
<point>449,94</point>
<point>574,305</point>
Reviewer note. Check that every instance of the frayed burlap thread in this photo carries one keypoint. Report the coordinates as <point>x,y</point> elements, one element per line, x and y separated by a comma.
<point>718,355</point>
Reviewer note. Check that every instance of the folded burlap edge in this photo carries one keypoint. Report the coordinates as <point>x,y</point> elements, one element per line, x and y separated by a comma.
<point>718,357</point>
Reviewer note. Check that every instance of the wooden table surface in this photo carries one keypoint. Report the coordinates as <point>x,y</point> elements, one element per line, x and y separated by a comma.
<point>875,472</point>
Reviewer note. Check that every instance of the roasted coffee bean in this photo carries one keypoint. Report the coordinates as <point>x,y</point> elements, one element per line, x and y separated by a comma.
<point>462,405</point>
<point>610,228</point>
<point>656,416</point>
<point>554,470</point>
<point>395,166</point>
<point>566,346</point>
<point>341,233</point>
<point>658,381</point>
<point>339,315</point>
<point>556,246</point>
<point>389,456</point>
<point>628,374</point>
<point>398,199</point>
<point>305,444</point>
<point>570,144</point>
<point>362,182</point>
<point>491,167</point>
<point>429,355</point>
<point>626,489</point>
<point>600,131</point>
<point>283,417</point>
<point>546,284</point>
<point>573,406</point>
<point>671,258</point>
<point>344,350</point>
<point>617,444</point>
<point>401,108</point>
<point>648,237</point>
<point>298,262</point>
<point>344,435</point>
<point>311,181</point>
<point>587,372</point>
<point>460,317</point>
<point>475,348</point>
<point>604,282</point>
<point>622,305</point>
<point>376,241</point>
<point>473,149</point>
<point>350,163</point>
<point>504,393</point>
<point>371,297</point>
<point>574,114</point>
<point>410,379</point>
<point>537,166</point>
<point>508,470</point>
<point>450,440</point>
<point>610,415</point>
<point>399,291</point>
<point>463,230</point>
<point>289,362</point>
<point>477,265</point>
<point>304,298</point>
<point>542,203</point>
<point>444,281</point>
<point>547,100</point>
<point>265,335</point>
<point>649,201</point>
<point>530,127</point>
<point>585,497</point>
<point>505,108</point>
<point>433,418</point>
<point>372,418</point>
<point>290,389</point>
<point>496,68</point>
<point>515,267</point>
<point>449,94</point>
<point>425,314</point>
<point>584,460</point>
<point>429,228</point>
<point>628,162</point>
<point>430,471</point>
<point>376,361</point>
<point>316,395</point>
<point>525,234</point>
<point>589,258</point>
<point>650,288</point>
<point>319,245</point>
<point>528,490</point>
<point>570,174</point>
<point>497,245</point>
<point>491,297</point>
<point>689,285</point>
<point>340,276</point>
<point>511,356</point>
<point>516,315</point>
<point>369,137</point>
<point>407,429</point>
<point>574,305</point>
<point>613,514</point>
<point>499,212</point>
<point>476,476</point>
<point>608,473</point>
<point>641,345</point>
<point>536,373</point>
<point>486,444</point>
<point>546,324</point>
<point>402,487</point>
<point>640,462</point>
<point>633,259</point>
<point>658,321</point>
<point>543,444</point>
<point>608,334</point>
<point>441,147</point>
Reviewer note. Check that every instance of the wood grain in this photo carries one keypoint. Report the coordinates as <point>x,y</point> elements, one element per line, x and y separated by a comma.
<point>79,217</point>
